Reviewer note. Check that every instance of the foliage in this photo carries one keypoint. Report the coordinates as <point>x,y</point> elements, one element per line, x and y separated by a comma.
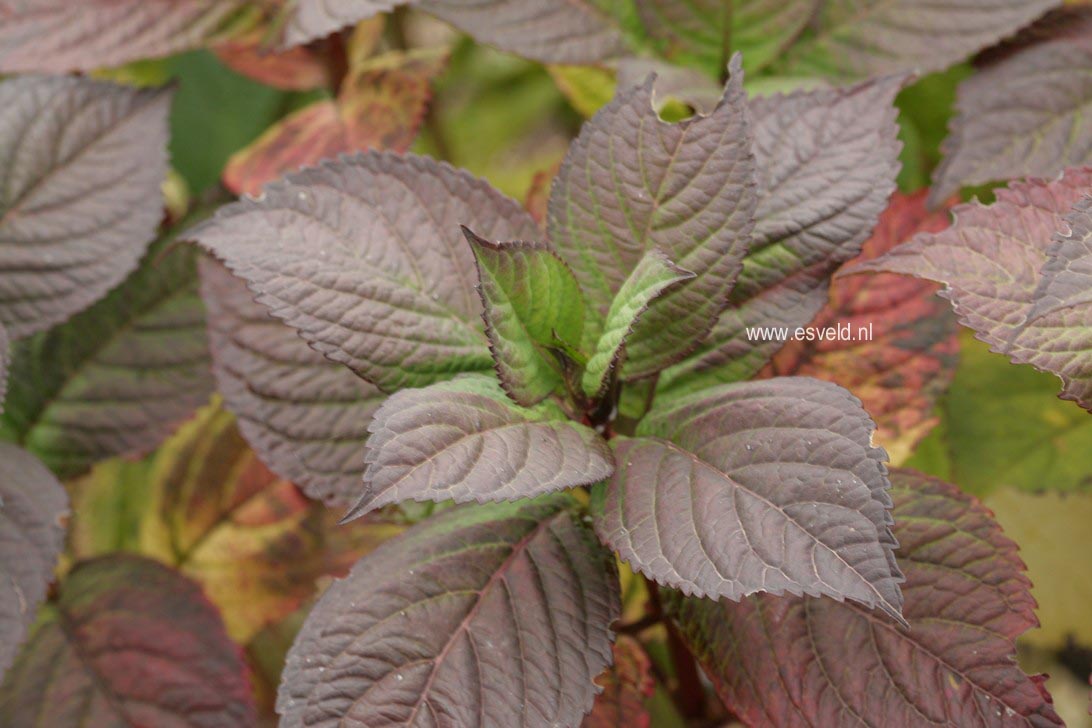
<point>581,447</point>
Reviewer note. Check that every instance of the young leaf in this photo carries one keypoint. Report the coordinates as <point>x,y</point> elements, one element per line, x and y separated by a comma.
<point>380,106</point>
<point>128,642</point>
<point>32,507</point>
<point>862,38</point>
<point>765,486</point>
<point>531,303</point>
<point>827,162</point>
<point>653,275</point>
<point>626,686</point>
<point>464,440</point>
<point>990,260</point>
<point>293,69</point>
<point>700,32</point>
<point>81,164</point>
<point>365,258</point>
<point>306,417</point>
<point>426,626</point>
<point>118,377</point>
<point>632,182</point>
<point>1024,113</point>
<point>967,599</point>
<point>57,36</point>
<point>905,346</point>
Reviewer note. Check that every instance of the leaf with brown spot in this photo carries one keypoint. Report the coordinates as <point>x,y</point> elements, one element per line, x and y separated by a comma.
<point>911,356</point>
<point>380,106</point>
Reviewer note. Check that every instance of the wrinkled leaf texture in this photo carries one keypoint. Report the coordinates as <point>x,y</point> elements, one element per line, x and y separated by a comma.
<point>967,600</point>
<point>129,642</point>
<point>32,506</point>
<point>81,164</point>
<point>481,616</point>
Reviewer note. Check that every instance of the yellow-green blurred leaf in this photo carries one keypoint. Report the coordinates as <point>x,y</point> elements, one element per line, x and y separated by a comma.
<point>588,88</point>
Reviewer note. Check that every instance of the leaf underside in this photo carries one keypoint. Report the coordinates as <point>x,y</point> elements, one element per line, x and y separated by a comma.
<point>118,377</point>
<point>967,600</point>
<point>129,642</point>
<point>632,182</point>
<point>765,486</point>
<point>990,261</point>
<point>81,164</point>
<point>1025,113</point>
<point>425,630</point>
<point>364,257</point>
<point>32,507</point>
<point>827,162</point>
<point>464,440</point>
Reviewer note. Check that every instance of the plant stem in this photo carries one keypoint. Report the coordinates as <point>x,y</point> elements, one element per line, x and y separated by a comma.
<point>688,693</point>
<point>337,60</point>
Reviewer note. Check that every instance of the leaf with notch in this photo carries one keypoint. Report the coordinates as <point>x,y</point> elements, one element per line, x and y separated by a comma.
<point>118,377</point>
<point>653,275</point>
<point>81,164</point>
<point>306,417</point>
<point>425,628</point>
<point>33,505</point>
<point>827,162</point>
<point>531,302</point>
<point>763,486</point>
<point>464,440</point>
<point>627,686</point>
<point>1026,112</point>
<point>990,260</point>
<point>632,182</point>
<point>364,257</point>
<point>855,39</point>
<point>58,36</point>
<point>967,600</point>
<point>129,642</point>
<point>699,32</point>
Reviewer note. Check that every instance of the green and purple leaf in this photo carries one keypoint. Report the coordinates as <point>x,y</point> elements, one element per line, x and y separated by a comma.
<point>425,630</point>
<point>119,377</point>
<point>128,642</point>
<point>854,39</point>
<point>967,600</point>
<point>364,257</point>
<point>532,307</point>
<point>306,417</point>
<point>652,277</point>
<point>1026,111</point>
<point>81,164</point>
<point>764,486</point>
<point>990,261</point>
<point>632,182</point>
<point>908,352</point>
<point>827,162</point>
<point>33,505</point>
<point>58,36</point>
<point>465,440</point>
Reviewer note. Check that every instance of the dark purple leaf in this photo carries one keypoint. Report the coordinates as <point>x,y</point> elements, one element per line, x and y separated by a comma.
<point>81,164</point>
<point>32,507</point>
<point>464,440</point>
<point>1024,113</point>
<point>782,661</point>
<point>990,261</point>
<point>306,417</point>
<point>495,615</point>
<point>765,486</point>
<point>129,642</point>
<point>57,36</point>
<point>632,182</point>
<point>827,162</point>
<point>365,258</point>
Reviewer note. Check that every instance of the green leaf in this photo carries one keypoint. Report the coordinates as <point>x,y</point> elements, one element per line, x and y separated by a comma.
<point>464,440</point>
<point>531,300</point>
<point>118,377</point>
<point>654,274</point>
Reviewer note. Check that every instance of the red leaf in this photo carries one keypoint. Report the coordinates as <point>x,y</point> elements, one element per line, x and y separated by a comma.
<point>911,357</point>
<point>133,643</point>
<point>292,69</point>
<point>627,684</point>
